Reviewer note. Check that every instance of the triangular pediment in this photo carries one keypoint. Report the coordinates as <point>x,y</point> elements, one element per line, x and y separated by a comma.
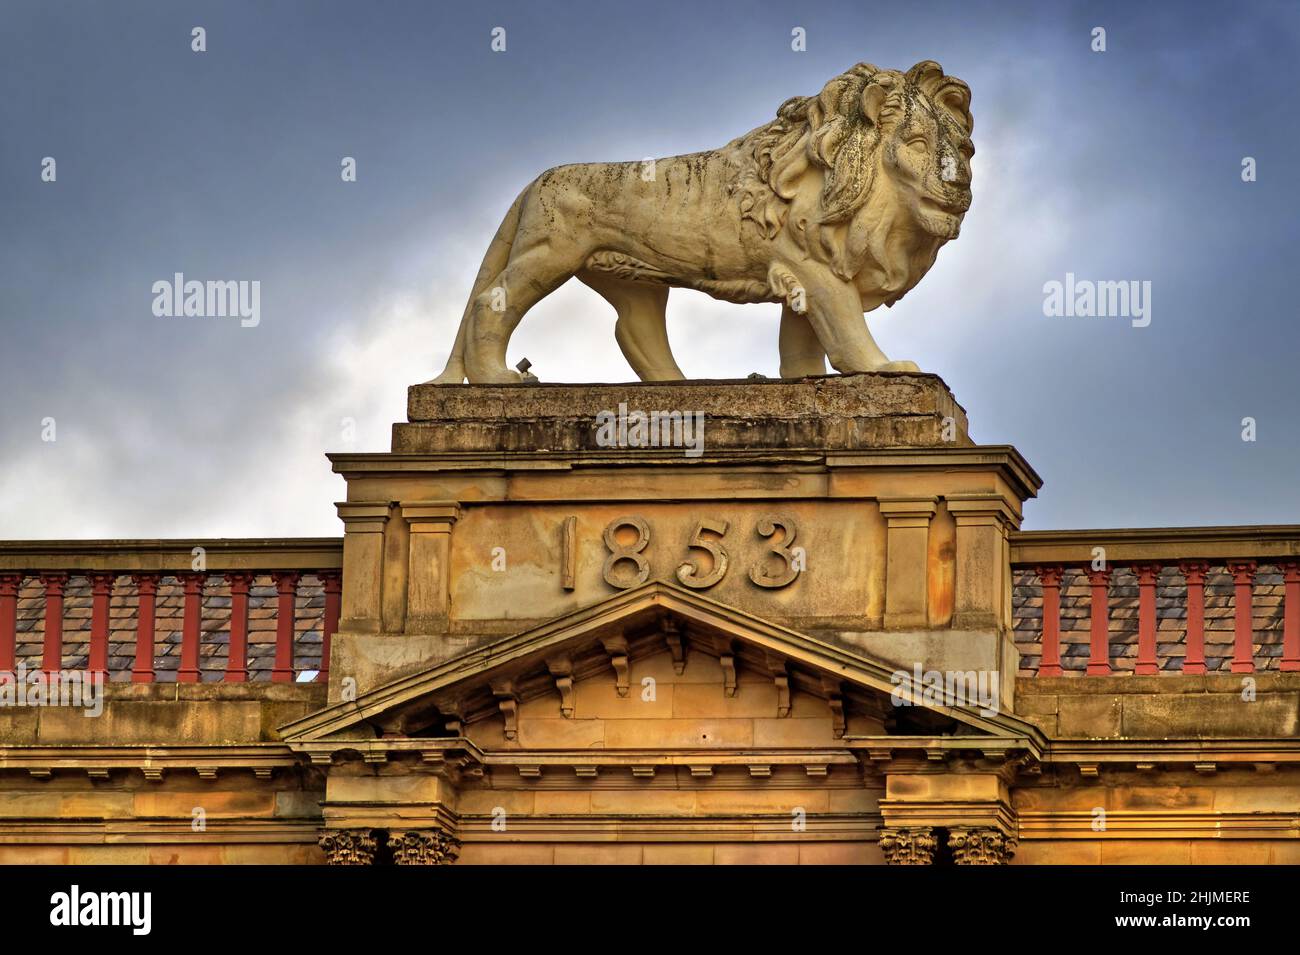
<point>657,627</point>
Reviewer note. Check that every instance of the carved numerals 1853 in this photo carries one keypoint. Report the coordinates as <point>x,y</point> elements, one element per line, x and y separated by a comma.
<point>691,573</point>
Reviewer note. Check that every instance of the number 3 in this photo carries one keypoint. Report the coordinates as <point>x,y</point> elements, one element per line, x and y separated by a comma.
<point>767,525</point>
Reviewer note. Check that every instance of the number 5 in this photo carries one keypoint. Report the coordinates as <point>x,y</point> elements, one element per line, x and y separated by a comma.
<point>689,574</point>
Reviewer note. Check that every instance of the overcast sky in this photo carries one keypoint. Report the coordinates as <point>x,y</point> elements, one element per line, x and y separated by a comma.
<point>1116,165</point>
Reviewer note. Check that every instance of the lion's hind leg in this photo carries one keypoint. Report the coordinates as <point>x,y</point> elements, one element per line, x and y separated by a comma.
<point>642,327</point>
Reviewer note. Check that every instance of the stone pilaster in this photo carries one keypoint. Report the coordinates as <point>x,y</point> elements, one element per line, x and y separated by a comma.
<point>907,556</point>
<point>428,596</point>
<point>982,600</point>
<point>363,565</point>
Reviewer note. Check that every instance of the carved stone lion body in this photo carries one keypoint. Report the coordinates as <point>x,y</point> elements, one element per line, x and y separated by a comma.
<point>837,206</point>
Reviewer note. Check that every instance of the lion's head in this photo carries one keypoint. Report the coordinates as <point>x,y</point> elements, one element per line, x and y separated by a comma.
<point>871,136</point>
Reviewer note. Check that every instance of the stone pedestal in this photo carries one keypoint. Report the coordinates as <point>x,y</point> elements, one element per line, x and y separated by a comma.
<point>853,508</point>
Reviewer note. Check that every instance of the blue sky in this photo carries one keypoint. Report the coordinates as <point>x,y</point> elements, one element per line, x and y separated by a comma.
<point>1122,165</point>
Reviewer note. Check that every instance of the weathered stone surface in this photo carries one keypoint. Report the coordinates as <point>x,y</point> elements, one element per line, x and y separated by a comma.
<point>1209,705</point>
<point>827,413</point>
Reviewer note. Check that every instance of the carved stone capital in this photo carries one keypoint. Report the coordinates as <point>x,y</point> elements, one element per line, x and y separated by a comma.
<point>981,846</point>
<point>424,847</point>
<point>348,847</point>
<point>908,846</point>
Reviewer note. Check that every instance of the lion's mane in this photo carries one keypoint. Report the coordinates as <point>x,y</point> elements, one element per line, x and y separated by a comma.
<point>831,132</point>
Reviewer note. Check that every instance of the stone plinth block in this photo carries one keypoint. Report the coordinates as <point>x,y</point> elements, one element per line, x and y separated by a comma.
<point>827,413</point>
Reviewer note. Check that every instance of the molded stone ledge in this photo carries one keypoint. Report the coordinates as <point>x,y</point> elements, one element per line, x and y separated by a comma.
<point>1167,684</point>
<point>879,410</point>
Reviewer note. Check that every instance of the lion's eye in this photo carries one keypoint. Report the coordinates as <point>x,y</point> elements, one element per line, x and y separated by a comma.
<point>917,144</point>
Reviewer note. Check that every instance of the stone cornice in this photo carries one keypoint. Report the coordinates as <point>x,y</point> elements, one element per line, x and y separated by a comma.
<point>1165,544</point>
<point>981,457</point>
<point>655,596</point>
<point>42,761</point>
<point>1154,823</point>
<point>166,556</point>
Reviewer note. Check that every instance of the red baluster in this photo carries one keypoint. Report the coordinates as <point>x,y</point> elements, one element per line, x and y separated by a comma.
<point>192,617</point>
<point>237,659</point>
<point>333,584</point>
<point>1291,618</point>
<point>1147,664</point>
<point>1099,637</point>
<point>1243,643</point>
<point>147,587</point>
<point>1194,571</point>
<point>52,655</point>
<point>10,584</point>
<point>101,590</point>
<point>1050,578</point>
<point>286,586</point>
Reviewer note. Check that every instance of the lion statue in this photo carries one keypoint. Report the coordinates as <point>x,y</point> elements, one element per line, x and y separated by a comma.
<point>838,205</point>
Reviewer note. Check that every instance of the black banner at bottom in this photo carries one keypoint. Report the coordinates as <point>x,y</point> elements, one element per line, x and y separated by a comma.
<point>586,904</point>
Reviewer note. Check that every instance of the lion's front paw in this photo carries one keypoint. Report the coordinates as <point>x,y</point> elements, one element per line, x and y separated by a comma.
<point>899,366</point>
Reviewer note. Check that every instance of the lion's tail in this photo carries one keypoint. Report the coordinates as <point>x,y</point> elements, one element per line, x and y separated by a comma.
<point>494,260</point>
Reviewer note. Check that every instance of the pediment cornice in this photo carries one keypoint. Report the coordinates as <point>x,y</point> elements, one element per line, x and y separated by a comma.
<point>655,617</point>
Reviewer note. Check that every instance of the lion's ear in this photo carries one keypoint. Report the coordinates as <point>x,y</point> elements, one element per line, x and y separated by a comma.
<point>787,174</point>
<point>875,95</point>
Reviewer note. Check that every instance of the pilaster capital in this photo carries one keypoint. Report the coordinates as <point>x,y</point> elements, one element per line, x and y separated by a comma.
<point>286,581</point>
<point>1049,575</point>
<point>1147,573</point>
<point>1243,571</point>
<point>911,845</point>
<point>984,845</point>
<point>430,517</point>
<point>1099,576</point>
<point>192,581</point>
<point>983,509</point>
<point>239,581</point>
<point>348,846</point>
<point>908,511</point>
<point>146,583</point>
<point>54,581</point>
<point>363,517</point>
<point>101,582</point>
<point>424,847</point>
